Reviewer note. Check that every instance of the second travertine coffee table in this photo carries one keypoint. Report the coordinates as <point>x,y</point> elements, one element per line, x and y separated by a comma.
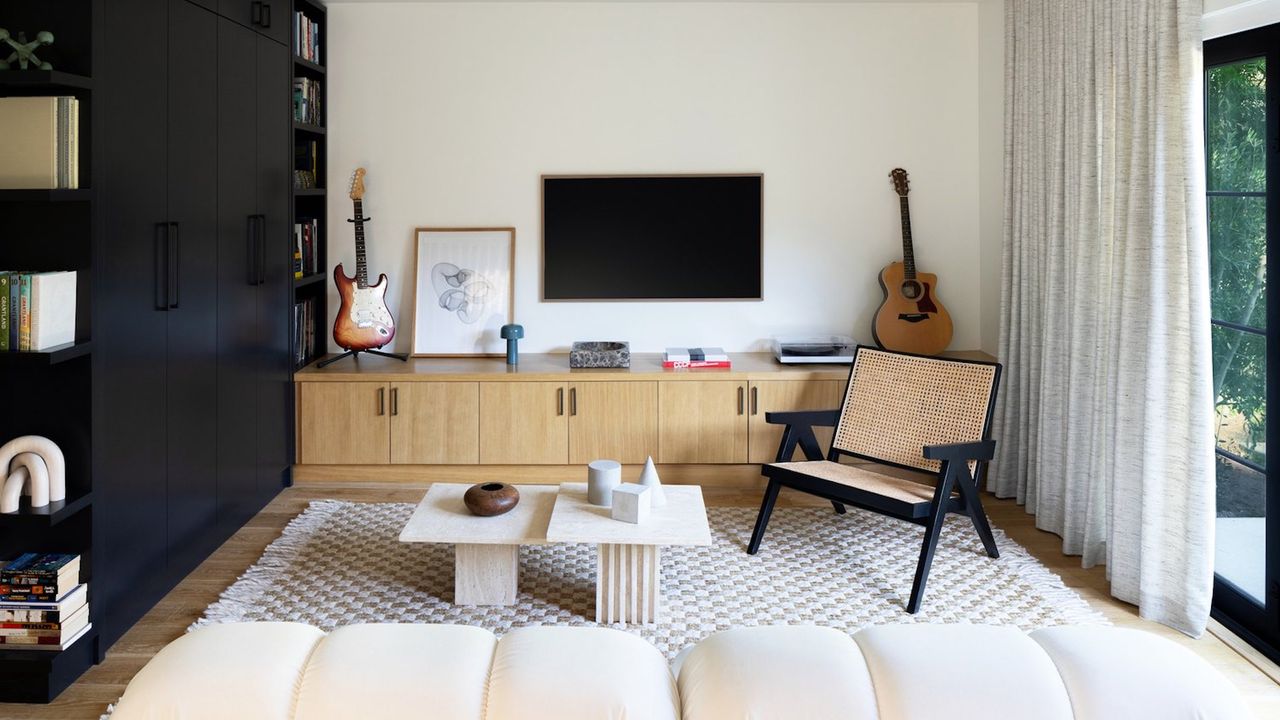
<point>628,560</point>
<point>486,549</point>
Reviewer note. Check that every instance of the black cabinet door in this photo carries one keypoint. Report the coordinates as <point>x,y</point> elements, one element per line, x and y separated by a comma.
<point>130,333</point>
<point>271,18</point>
<point>274,175</point>
<point>193,319</point>
<point>240,274</point>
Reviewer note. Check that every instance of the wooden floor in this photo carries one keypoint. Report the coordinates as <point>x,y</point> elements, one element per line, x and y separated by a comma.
<point>102,685</point>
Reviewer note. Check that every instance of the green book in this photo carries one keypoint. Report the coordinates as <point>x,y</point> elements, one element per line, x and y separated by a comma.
<point>24,312</point>
<point>4,311</point>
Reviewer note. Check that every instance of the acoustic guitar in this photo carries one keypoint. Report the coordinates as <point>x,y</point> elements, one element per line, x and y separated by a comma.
<point>911,318</point>
<point>363,321</point>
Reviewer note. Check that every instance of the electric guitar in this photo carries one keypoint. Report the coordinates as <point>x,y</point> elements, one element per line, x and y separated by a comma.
<point>911,318</point>
<point>363,322</point>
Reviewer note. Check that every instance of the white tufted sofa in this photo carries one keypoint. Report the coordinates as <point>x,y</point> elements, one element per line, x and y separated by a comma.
<point>290,671</point>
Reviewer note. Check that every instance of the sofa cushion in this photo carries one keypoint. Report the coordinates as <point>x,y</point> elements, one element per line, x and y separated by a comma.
<point>242,670</point>
<point>1119,674</point>
<point>579,673</point>
<point>776,672</point>
<point>398,671</point>
<point>961,672</point>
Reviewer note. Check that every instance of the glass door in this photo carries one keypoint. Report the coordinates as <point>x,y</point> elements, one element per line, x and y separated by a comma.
<point>1242,149</point>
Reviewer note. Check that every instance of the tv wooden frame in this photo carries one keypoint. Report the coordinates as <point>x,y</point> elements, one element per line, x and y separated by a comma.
<point>511,290</point>
<point>542,240</point>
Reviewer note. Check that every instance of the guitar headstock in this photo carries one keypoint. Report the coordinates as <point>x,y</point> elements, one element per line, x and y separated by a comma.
<point>357,184</point>
<point>901,184</point>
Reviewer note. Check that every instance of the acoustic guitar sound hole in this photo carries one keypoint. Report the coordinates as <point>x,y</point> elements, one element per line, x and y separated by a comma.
<point>911,289</point>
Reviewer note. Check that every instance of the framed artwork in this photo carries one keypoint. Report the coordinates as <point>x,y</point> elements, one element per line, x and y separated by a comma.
<point>463,291</point>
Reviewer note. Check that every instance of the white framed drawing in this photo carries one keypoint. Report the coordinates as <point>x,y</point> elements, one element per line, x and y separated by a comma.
<point>463,290</point>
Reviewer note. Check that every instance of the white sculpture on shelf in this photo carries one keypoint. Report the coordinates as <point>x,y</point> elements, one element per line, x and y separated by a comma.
<point>32,465</point>
<point>631,503</point>
<point>602,477</point>
<point>649,479</point>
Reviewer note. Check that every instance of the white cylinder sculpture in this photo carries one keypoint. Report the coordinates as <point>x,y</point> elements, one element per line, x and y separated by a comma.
<point>11,495</point>
<point>54,462</point>
<point>602,477</point>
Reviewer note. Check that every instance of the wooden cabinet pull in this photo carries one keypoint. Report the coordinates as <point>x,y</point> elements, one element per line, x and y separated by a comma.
<point>755,399</point>
<point>382,401</point>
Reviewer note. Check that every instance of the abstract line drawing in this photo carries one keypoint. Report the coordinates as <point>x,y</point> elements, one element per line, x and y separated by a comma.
<point>460,291</point>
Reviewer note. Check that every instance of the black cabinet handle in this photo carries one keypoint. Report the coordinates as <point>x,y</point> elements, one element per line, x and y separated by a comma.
<point>741,392</point>
<point>174,274</point>
<point>382,401</point>
<point>161,270</point>
<point>266,10</point>
<point>251,251</point>
<point>559,401</point>
<point>255,12</point>
<point>262,249</point>
<point>573,401</point>
<point>395,401</point>
<point>755,399</point>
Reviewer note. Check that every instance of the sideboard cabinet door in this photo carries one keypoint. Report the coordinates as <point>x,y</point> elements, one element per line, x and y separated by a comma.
<point>435,423</point>
<point>702,421</point>
<point>786,395</point>
<point>524,423</point>
<point>344,423</point>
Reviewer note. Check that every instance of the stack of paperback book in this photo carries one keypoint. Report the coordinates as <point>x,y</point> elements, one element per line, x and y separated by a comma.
<point>37,310</point>
<point>695,358</point>
<point>43,604</point>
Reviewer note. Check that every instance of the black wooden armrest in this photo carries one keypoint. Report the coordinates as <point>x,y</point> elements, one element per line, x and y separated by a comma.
<point>819,418</point>
<point>980,450</point>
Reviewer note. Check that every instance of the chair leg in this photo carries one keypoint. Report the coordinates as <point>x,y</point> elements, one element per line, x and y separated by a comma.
<point>838,506</point>
<point>931,533</point>
<point>762,520</point>
<point>972,498</point>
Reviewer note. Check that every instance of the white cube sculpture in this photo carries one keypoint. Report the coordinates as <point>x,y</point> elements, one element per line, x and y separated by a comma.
<point>631,503</point>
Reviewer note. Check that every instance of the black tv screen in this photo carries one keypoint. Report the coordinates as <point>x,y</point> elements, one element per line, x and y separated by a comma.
<point>680,237</point>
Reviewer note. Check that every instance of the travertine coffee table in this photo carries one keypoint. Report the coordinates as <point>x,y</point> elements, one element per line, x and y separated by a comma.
<point>628,559</point>
<point>486,559</point>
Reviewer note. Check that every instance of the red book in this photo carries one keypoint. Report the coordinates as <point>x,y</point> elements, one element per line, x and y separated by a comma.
<point>725,364</point>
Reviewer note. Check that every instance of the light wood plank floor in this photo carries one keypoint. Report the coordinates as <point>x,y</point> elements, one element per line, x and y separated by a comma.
<point>169,619</point>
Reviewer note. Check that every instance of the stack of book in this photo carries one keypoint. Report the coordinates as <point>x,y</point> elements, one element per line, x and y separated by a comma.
<point>695,358</point>
<point>306,101</point>
<point>43,604</point>
<point>40,143</point>
<point>306,38</point>
<point>304,331</point>
<point>37,310</point>
<point>306,236</point>
<point>306,164</point>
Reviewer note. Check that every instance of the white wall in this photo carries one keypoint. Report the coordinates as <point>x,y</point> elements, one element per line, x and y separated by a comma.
<point>456,109</point>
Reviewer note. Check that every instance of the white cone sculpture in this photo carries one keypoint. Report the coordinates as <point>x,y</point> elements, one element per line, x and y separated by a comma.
<point>649,479</point>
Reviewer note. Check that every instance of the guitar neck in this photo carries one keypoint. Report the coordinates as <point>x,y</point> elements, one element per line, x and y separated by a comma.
<point>362,270</point>
<point>908,252</point>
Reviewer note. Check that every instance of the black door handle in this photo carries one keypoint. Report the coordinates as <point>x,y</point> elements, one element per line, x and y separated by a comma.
<point>266,15</point>
<point>251,251</point>
<point>161,270</point>
<point>262,249</point>
<point>174,274</point>
<point>255,12</point>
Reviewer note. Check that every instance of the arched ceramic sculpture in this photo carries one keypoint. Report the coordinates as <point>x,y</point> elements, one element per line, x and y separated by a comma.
<point>54,464</point>
<point>11,495</point>
<point>38,473</point>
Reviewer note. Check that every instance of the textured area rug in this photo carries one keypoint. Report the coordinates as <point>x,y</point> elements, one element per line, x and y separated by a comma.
<point>339,563</point>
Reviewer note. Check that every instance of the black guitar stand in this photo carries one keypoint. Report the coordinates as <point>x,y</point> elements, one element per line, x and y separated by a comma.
<point>355,354</point>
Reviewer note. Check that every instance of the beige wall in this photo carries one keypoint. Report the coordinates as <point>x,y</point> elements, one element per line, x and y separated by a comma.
<point>456,109</point>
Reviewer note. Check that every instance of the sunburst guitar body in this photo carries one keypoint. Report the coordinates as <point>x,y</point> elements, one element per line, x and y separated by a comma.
<point>910,318</point>
<point>363,322</point>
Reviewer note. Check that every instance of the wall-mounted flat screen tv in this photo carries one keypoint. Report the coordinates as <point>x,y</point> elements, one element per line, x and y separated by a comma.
<point>670,237</point>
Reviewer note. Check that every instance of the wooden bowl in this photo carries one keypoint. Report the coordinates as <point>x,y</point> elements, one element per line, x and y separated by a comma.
<point>489,499</point>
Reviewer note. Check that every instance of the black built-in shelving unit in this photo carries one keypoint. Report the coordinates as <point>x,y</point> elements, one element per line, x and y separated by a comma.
<point>310,203</point>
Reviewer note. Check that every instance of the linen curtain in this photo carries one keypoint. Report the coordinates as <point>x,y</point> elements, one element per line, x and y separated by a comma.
<point>1105,421</point>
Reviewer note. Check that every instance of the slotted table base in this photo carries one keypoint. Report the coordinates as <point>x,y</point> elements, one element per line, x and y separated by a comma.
<point>627,583</point>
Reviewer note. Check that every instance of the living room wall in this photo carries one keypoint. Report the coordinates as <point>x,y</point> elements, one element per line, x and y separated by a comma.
<point>457,109</point>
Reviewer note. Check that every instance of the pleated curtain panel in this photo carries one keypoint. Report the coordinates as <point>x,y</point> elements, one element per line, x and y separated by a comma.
<point>1105,419</point>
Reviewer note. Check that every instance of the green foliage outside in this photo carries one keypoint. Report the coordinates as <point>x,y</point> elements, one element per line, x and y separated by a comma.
<point>1236,143</point>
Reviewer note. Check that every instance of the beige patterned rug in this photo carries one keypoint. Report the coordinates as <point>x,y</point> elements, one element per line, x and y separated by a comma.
<point>340,563</point>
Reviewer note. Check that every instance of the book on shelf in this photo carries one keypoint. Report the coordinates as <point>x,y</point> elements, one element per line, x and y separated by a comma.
<point>304,331</point>
<point>306,101</point>
<point>50,612</point>
<point>306,240</point>
<point>40,143</point>
<point>44,633</point>
<point>39,577</point>
<point>698,354</point>
<point>37,311</point>
<point>724,364</point>
<point>306,38</point>
<point>306,164</point>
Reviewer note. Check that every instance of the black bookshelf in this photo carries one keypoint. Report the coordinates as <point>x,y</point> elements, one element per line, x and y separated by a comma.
<point>54,389</point>
<point>309,200</point>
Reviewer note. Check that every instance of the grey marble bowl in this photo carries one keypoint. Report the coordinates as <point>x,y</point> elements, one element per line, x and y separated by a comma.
<point>600,355</point>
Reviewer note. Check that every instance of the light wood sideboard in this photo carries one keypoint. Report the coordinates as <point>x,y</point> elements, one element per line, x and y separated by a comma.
<point>432,419</point>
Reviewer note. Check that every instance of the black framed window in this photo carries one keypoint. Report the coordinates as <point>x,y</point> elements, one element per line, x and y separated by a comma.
<point>1242,148</point>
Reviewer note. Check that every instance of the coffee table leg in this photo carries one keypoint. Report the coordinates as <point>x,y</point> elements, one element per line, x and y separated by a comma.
<point>485,574</point>
<point>627,583</point>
